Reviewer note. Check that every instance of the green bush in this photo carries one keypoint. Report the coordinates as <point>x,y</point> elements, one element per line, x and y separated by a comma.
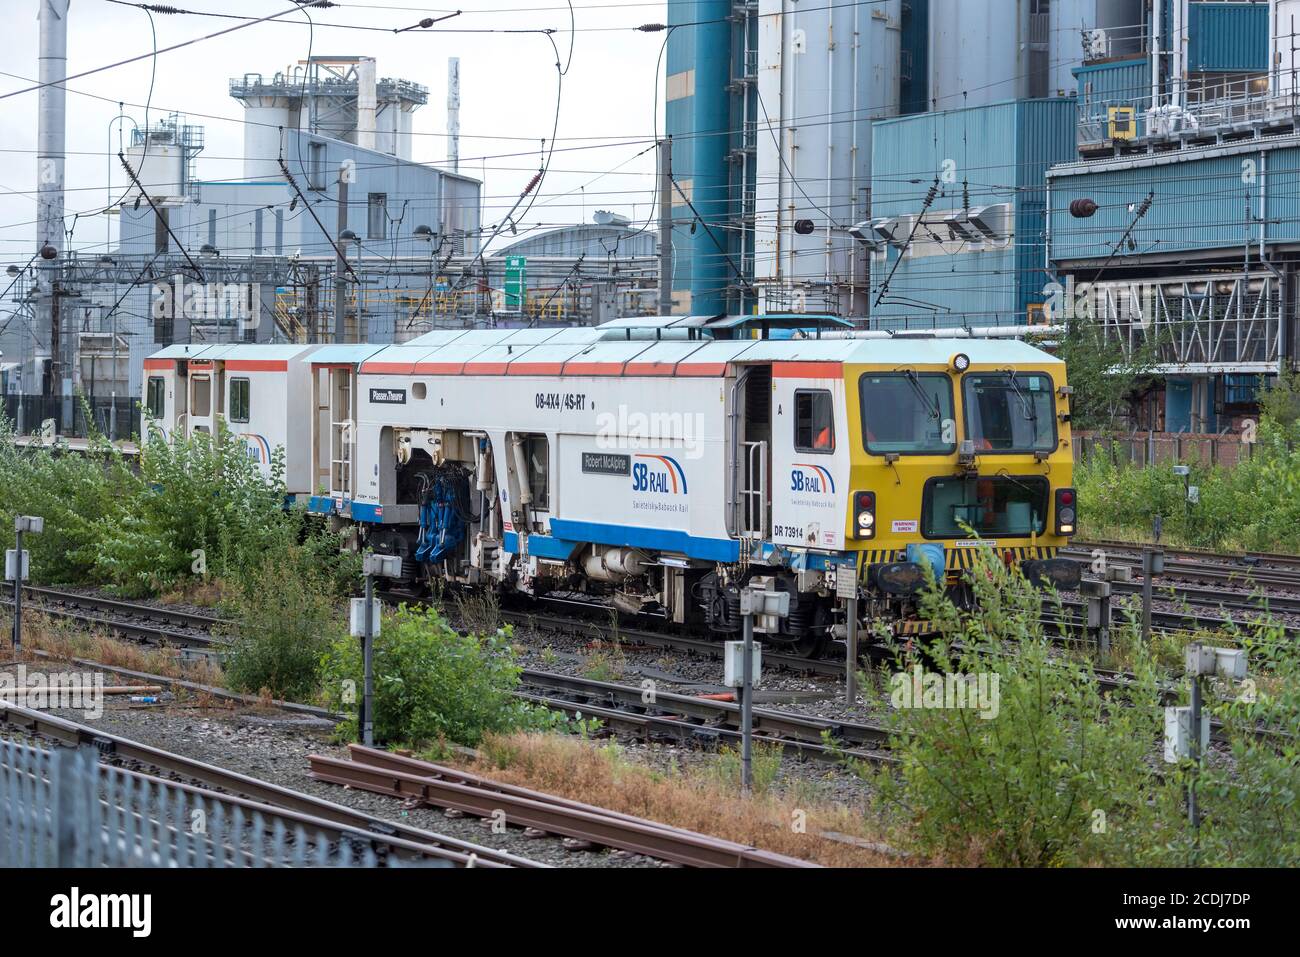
<point>1046,771</point>
<point>194,506</point>
<point>285,615</point>
<point>433,684</point>
<point>1254,505</point>
<point>1251,804</point>
<point>1060,774</point>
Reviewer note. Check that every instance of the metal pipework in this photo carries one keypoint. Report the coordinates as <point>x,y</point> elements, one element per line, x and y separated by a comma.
<point>614,564</point>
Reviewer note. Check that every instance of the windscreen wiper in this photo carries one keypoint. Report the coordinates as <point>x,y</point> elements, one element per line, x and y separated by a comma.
<point>924,396</point>
<point>1026,405</point>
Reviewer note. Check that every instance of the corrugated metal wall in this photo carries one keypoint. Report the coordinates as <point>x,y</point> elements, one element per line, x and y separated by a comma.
<point>994,154</point>
<point>1118,83</point>
<point>1228,36</point>
<point>1199,205</point>
<point>1045,135</point>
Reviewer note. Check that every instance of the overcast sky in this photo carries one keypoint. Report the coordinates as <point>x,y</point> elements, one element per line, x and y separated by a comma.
<point>508,96</point>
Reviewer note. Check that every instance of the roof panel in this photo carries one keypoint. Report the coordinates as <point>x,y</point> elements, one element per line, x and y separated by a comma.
<point>662,358</point>
<point>490,361</point>
<point>604,358</point>
<point>437,337</point>
<point>545,360</point>
<point>182,351</point>
<point>349,353</point>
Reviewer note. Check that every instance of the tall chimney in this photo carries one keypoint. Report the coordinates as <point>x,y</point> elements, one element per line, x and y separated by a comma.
<point>52,71</point>
<point>453,112</point>
<point>367,99</point>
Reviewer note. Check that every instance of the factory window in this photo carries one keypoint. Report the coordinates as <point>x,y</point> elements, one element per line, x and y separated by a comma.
<point>239,400</point>
<point>212,227</point>
<point>316,169</point>
<point>377,216</point>
<point>160,232</point>
<point>155,401</point>
<point>538,449</point>
<point>814,422</point>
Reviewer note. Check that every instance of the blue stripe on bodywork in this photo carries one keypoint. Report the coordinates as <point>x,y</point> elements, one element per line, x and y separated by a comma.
<point>320,505</point>
<point>800,559</point>
<point>541,546</point>
<point>651,539</point>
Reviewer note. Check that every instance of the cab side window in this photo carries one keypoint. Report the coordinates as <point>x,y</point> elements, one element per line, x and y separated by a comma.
<point>239,400</point>
<point>814,421</point>
<point>156,398</point>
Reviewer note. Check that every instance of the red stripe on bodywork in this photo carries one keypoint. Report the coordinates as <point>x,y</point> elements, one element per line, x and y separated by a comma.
<point>257,365</point>
<point>701,368</point>
<point>592,368</point>
<point>808,370</point>
<point>438,368</point>
<point>650,368</point>
<point>158,363</point>
<point>535,368</point>
<point>377,368</point>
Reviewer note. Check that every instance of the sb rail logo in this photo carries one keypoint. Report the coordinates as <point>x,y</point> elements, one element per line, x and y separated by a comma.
<point>658,475</point>
<point>256,447</point>
<point>812,479</point>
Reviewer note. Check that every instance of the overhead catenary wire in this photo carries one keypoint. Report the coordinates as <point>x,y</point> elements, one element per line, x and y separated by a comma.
<point>539,194</point>
<point>161,218</point>
<point>293,183</point>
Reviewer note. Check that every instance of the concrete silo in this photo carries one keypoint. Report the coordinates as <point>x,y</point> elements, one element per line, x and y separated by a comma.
<point>823,75</point>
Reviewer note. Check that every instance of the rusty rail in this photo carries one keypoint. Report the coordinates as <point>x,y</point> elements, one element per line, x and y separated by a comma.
<point>440,786</point>
<point>395,837</point>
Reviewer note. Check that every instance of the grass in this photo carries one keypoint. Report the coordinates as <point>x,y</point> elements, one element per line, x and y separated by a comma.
<point>200,592</point>
<point>698,799</point>
<point>728,765</point>
<point>67,641</point>
<point>604,665</point>
<point>479,612</point>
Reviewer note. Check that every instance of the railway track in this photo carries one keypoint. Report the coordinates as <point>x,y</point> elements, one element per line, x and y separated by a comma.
<point>1249,568</point>
<point>383,772</point>
<point>673,717</point>
<point>339,822</point>
<point>1169,622</point>
<point>144,624</point>
<point>684,719</point>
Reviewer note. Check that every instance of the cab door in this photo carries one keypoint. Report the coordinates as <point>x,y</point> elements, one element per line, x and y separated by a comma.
<point>810,455</point>
<point>203,401</point>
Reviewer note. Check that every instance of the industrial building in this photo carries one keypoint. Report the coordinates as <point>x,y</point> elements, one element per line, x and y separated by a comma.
<point>771,109</point>
<point>1177,224</point>
<point>331,233</point>
<point>959,213</point>
<point>936,163</point>
<point>902,164</point>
